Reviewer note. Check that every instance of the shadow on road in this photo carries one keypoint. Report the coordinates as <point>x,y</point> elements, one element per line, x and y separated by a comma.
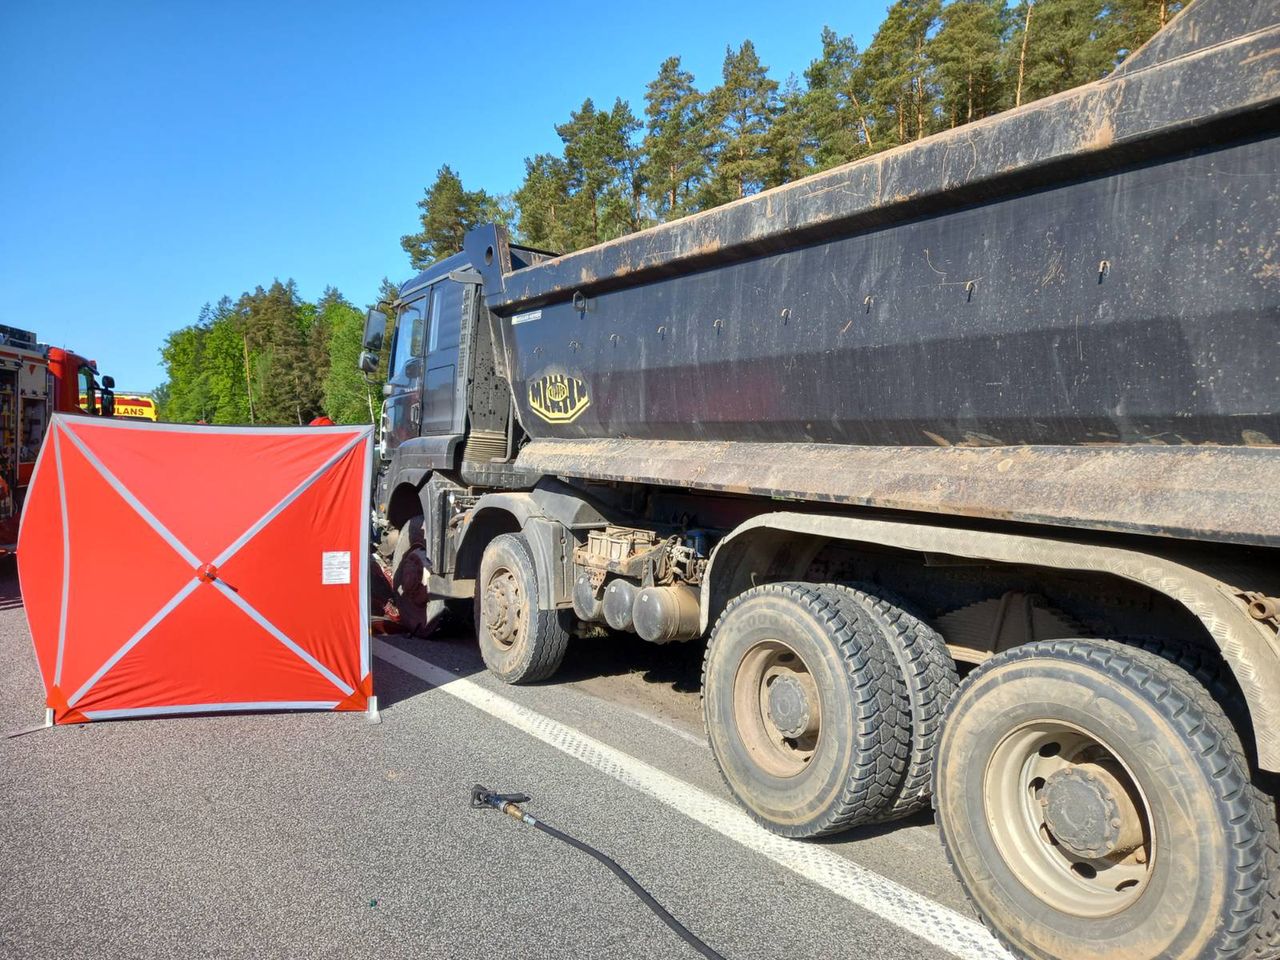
<point>677,666</point>
<point>10,593</point>
<point>446,649</point>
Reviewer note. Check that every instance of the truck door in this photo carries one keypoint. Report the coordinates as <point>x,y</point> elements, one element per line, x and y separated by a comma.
<point>440,409</point>
<point>404,384</point>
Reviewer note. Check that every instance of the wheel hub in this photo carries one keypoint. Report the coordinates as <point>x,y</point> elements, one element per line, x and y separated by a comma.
<point>1069,819</point>
<point>502,608</point>
<point>788,707</point>
<point>1089,812</point>
<point>777,708</point>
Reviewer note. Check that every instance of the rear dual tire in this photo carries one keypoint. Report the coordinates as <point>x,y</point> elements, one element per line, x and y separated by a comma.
<point>812,699</point>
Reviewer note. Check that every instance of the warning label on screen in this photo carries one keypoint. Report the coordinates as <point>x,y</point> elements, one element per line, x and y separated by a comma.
<point>336,567</point>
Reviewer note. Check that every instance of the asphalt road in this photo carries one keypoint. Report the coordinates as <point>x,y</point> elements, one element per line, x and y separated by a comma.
<point>324,835</point>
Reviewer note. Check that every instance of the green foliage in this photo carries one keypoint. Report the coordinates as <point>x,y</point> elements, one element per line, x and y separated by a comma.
<point>448,212</point>
<point>546,220</point>
<point>965,54</point>
<point>789,143</point>
<point>1065,46</point>
<point>740,113</point>
<point>898,72</point>
<point>263,358</point>
<point>835,106</point>
<point>601,164</point>
<point>675,157</point>
<point>1128,24</point>
<point>931,65</point>
<point>279,325</point>
<point>187,391</point>
<point>224,365</point>
<point>348,397</point>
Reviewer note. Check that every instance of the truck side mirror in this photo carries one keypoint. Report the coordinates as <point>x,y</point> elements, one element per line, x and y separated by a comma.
<point>375,330</point>
<point>368,361</point>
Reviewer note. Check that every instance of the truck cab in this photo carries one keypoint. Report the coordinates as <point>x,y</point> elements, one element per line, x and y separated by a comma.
<point>447,423</point>
<point>445,408</point>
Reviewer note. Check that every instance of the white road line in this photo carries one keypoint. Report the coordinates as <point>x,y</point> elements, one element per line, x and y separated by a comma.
<point>682,734</point>
<point>928,920</point>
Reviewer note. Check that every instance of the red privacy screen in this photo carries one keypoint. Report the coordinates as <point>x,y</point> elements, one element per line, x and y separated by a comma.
<point>182,569</point>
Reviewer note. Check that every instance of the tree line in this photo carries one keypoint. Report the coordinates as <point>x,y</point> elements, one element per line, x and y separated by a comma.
<point>929,67</point>
<point>272,357</point>
<point>269,356</point>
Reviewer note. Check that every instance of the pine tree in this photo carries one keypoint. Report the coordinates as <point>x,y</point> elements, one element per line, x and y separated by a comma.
<point>790,144</point>
<point>675,163</point>
<point>836,105</point>
<point>448,211</point>
<point>285,388</point>
<point>897,71</point>
<point>601,164</point>
<point>741,111</point>
<point>966,57</point>
<point>1131,23</point>
<point>543,202</point>
<point>1058,44</point>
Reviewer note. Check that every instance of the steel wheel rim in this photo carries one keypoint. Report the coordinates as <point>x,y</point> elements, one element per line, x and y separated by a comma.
<point>503,608</point>
<point>1069,819</point>
<point>781,752</point>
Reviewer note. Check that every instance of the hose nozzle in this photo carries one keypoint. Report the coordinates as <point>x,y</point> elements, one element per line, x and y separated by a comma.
<point>508,803</point>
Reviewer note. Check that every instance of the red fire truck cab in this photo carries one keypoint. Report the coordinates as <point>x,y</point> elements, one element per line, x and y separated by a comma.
<point>35,381</point>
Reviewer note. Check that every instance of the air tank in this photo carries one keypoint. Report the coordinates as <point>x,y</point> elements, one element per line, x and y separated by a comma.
<point>667,614</point>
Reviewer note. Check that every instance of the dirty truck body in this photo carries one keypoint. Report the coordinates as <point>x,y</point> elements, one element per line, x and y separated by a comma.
<point>962,459</point>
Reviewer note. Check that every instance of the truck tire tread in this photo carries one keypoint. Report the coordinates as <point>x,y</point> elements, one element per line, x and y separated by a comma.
<point>931,680</point>
<point>1209,671</point>
<point>547,639</point>
<point>882,731</point>
<point>1195,711</point>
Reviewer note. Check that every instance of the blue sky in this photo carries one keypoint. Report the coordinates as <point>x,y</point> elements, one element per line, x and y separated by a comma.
<point>154,156</point>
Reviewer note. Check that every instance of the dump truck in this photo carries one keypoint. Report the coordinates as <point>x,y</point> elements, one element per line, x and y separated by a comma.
<point>963,460</point>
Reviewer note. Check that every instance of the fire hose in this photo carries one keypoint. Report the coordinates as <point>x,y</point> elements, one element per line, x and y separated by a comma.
<point>509,803</point>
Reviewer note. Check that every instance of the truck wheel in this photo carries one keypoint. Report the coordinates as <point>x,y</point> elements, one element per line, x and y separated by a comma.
<point>1095,802</point>
<point>931,679</point>
<point>805,708</point>
<point>520,642</point>
<point>419,613</point>
<point>1212,675</point>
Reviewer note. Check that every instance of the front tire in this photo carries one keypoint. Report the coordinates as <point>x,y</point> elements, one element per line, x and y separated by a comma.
<point>520,642</point>
<point>1095,802</point>
<point>419,613</point>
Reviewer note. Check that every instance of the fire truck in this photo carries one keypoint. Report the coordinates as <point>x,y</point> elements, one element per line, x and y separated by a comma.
<point>35,381</point>
<point>135,406</point>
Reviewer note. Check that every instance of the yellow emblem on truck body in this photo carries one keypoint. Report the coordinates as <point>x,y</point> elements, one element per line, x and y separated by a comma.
<point>558,398</point>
